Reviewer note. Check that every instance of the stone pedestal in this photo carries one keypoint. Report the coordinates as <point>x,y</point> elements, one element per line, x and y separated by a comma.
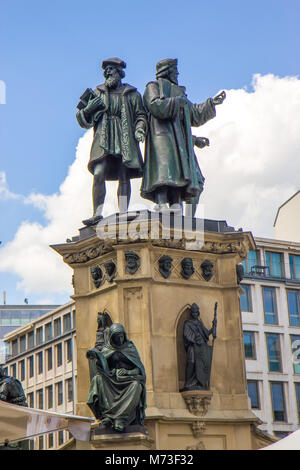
<point>153,309</point>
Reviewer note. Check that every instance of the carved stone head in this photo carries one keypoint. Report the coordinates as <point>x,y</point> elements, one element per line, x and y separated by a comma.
<point>187,268</point>
<point>110,269</point>
<point>207,269</point>
<point>165,265</point>
<point>97,275</point>
<point>133,262</point>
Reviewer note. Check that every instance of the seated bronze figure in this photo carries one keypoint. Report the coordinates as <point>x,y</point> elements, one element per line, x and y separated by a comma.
<point>117,393</point>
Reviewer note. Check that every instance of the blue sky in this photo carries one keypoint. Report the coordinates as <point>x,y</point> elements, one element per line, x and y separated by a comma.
<point>52,51</point>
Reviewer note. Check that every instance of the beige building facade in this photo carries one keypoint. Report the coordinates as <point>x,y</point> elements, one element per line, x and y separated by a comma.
<point>43,356</point>
<point>270,306</point>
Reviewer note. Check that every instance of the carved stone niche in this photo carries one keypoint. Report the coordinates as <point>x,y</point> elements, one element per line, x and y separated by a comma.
<point>197,401</point>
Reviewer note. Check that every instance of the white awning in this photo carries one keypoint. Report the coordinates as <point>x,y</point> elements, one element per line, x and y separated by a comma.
<point>18,423</point>
<point>290,442</point>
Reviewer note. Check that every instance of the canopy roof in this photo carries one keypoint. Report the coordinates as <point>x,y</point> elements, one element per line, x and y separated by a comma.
<point>290,442</point>
<point>18,423</point>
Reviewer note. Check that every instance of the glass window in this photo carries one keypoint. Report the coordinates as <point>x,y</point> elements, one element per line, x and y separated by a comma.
<point>295,340</point>
<point>270,308</point>
<point>295,266</point>
<point>40,398</point>
<point>39,335</point>
<point>14,347</point>
<point>74,318</point>
<point>57,327</point>
<point>30,339</point>
<point>297,385</point>
<point>40,362</point>
<point>251,261</point>
<point>50,440</point>
<point>249,345</point>
<point>13,370</point>
<point>60,437</point>
<point>59,393</point>
<point>23,343</point>
<point>41,442</point>
<point>22,370</point>
<point>294,310</point>
<point>58,355</point>
<point>48,331</point>
<point>30,400</point>
<point>69,384</point>
<point>253,393</point>
<point>67,322</point>
<point>49,358</point>
<point>31,366</point>
<point>69,350</point>
<point>278,401</point>
<point>274,353</point>
<point>274,263</point>
<point>50,396</point>
<point>281,434</point>
<point>245,298</point>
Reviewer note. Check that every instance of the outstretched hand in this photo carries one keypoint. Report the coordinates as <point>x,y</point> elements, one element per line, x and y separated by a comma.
<point>219,98</point>
<point>201,142</point>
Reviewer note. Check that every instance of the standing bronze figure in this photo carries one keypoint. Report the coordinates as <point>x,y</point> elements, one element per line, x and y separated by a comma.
<point>198,352</point>
<point>116,113</point>
<point>117,393</point>
<point>172,173</point>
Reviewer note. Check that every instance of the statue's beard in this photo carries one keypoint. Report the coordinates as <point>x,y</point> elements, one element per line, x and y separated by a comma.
<point>112,81</point>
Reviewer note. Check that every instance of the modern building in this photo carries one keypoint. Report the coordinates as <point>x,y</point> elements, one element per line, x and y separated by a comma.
<point>43,357</point>
<point>14,316</point>
<point>270,305</point>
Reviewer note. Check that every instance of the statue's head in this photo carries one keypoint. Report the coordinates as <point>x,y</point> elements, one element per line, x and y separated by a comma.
<point>113,71</point>
<point>187,267</point>
<point>110,267</point>
<point>207,269</point>
<point>116,335</point>
<point>96,272</point>
<point>167,68</point>
<point>195,311</point>
<point>133,261</point>
<point>165,265</point>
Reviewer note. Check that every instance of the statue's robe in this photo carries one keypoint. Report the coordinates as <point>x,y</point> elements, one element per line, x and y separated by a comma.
<point>114,128</point>
<point>169,155</point>
<point>198,354</point>
<point>118,398</point>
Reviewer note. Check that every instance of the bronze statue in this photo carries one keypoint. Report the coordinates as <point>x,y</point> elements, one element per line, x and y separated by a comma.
<point>97,275</point>
<point>116,113</point>
<point>207,269</point>
<point>117,393</point>
<point>165,265</point>
<point>187,268</point>
<point>110,269</point>
<point>171,173</point>
<point>133,262</point>
<point>198,352</point>
<point>11,390</point>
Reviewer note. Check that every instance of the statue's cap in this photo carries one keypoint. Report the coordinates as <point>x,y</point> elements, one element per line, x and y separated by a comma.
<point>114,61</point>
<point>131,254</point>
<point>164,258</point>
<point>194,307</point>
<point>165,64</point>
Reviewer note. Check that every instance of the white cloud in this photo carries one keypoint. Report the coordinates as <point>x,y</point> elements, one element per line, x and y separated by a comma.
<point>5,193</point>
<point>251,167</point>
